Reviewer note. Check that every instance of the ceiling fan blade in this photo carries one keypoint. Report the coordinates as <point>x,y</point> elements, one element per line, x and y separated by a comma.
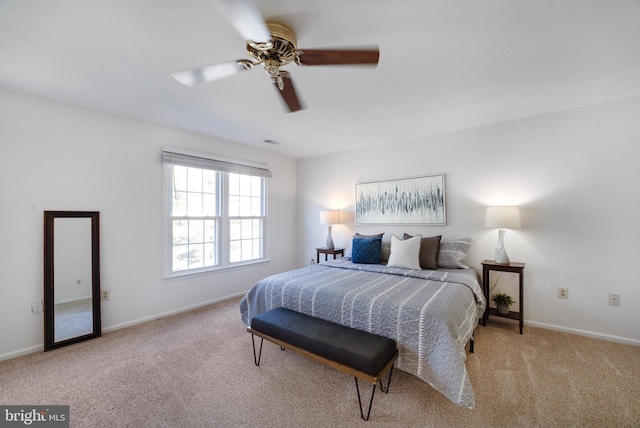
<point>338,57</point>
<point>288,93</point>
<point>246,18</point>
<point>209,73</point>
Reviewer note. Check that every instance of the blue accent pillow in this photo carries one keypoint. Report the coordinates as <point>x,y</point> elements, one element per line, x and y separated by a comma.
<point>366,250</point>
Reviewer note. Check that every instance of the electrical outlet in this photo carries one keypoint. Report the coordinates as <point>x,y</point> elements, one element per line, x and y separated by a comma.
<point>36,306</point>
<point>614,299</point>
<point>105,295</point>
<point>313,261</point>
<point>563,293</point>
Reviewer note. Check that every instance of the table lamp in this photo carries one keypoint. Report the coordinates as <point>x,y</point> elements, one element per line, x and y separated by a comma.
<point>329,217</point>
<point>502,218</point>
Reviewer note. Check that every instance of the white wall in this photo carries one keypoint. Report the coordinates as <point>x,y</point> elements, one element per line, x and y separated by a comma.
<point>575,175</point>
<point>54,157</point>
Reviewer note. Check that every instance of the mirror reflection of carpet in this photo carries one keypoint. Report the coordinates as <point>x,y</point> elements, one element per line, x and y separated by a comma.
<point>73,319</point>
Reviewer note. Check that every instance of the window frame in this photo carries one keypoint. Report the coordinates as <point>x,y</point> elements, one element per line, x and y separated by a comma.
<point>224,228</point>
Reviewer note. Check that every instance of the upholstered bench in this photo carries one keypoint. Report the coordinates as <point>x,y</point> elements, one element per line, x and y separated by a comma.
<point>364,355</point>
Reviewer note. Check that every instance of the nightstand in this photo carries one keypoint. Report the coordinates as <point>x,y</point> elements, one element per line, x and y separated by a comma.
<point>326,252</point>
<point>515,267</point>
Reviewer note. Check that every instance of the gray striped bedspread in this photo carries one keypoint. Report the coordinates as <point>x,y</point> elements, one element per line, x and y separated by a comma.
<point>431,314</point>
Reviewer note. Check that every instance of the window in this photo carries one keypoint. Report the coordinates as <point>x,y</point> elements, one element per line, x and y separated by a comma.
<point>195,218</point>
<point>216,213</point>
<point>246,217</point>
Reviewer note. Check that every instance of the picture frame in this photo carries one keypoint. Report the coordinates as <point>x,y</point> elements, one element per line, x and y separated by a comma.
<point>418,200</point>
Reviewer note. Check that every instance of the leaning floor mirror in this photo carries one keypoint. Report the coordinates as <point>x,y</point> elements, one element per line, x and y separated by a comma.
<point>71,277</point>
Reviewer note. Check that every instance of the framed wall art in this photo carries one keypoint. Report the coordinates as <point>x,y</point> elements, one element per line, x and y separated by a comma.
<point>419,200</point>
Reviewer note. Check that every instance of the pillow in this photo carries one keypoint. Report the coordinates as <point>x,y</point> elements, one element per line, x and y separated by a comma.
<point>376,235</point>
<point>428,251</point>
<point>349,249</point>
<point>404,254</point>
<point>348,252</point>
<point>453,254</point>
<point>385,251</point>
<point>366,250</point>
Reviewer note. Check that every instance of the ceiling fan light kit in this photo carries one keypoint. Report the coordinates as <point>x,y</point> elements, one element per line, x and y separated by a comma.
<point>273,54</point>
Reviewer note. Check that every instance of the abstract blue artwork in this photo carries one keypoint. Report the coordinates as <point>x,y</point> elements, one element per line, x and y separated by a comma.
<point>418,200</point>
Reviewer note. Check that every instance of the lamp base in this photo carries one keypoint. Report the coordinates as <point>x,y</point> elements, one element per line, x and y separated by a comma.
<point>329,243</point>
<point>501,254</point>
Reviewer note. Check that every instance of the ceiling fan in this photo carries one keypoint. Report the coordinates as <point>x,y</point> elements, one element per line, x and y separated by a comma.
<point>274,45</point>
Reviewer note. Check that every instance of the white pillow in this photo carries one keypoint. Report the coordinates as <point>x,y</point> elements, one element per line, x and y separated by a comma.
<point>405,254</point>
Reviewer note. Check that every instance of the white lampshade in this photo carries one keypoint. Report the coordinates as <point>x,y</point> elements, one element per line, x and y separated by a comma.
<point>502,218</point>
<point>330,217</point>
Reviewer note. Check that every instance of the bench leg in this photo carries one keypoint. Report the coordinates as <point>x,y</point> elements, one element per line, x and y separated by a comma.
<point>471,344</point>
<point>386,390</point>
<point>256,360</point>
<point>373,391</point>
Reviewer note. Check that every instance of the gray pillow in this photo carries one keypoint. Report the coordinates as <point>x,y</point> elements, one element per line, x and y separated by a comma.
<point>385,251</point>
<point>453,254</point>
<point>428,251</point>
<point>375,235</point>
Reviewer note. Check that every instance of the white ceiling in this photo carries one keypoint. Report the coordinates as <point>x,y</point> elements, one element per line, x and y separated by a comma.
<point>444,65</point>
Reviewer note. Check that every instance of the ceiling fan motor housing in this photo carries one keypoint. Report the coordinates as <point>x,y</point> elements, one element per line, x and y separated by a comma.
<point>283,45</point>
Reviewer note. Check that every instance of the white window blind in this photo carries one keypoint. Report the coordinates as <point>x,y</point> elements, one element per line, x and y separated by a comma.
<point>195,161</point>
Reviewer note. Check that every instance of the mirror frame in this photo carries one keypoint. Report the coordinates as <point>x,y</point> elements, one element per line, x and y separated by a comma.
<point>49,286</point>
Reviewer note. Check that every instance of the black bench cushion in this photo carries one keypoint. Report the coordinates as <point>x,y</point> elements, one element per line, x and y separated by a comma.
<point>358,349</point>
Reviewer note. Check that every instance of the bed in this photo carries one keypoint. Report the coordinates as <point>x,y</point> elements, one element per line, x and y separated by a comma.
<point>431,314</point>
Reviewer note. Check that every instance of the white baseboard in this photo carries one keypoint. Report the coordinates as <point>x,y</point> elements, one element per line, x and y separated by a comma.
<point>169,313</point>
<point>40,347</point>
<point>608,337</point>
<point>76,299</point>
<point>21,352</point>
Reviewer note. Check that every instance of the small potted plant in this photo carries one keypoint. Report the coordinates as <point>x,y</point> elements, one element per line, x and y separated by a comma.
<point>503,301</point>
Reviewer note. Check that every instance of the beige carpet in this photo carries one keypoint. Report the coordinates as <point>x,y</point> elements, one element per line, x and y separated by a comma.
<point>196,370</point>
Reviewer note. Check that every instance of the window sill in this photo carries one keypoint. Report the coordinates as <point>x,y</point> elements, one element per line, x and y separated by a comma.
<point>214,270</point>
